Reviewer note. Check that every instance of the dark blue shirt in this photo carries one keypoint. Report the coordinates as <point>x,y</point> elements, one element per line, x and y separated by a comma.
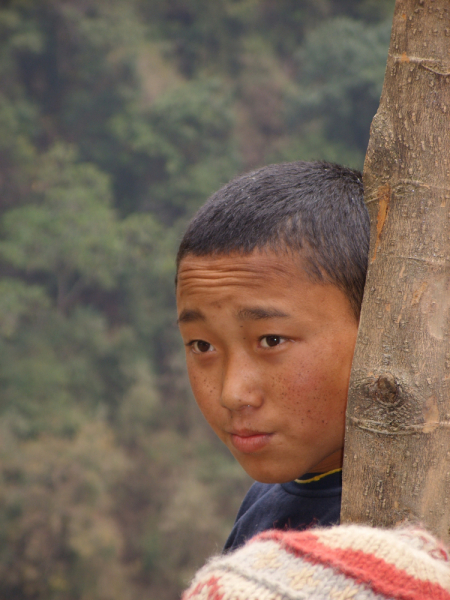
<point>290,505</point>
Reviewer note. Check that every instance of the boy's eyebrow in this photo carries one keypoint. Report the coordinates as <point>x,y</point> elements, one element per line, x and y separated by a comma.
<point>189,316</point>
<point>255,313</point>
<point>252,313</point>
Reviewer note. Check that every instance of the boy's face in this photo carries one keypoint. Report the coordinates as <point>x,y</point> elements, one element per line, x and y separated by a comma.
<point>268,355</point>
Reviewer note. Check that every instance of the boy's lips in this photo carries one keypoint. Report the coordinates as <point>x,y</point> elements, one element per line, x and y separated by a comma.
<point>249,441</point>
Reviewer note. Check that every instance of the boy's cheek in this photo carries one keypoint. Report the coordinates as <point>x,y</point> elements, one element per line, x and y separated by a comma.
<point>204,390</point>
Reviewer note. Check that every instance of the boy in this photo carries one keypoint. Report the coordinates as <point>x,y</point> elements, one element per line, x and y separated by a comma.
<point>270,281</point>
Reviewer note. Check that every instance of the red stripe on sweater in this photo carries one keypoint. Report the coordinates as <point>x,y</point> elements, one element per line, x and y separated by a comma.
<point>373,572</point>
<point>213,589</point>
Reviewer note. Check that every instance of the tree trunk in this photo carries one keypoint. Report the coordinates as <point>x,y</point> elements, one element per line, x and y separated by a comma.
<point>397,452</point>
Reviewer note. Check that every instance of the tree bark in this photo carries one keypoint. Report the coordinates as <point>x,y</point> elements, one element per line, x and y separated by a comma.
<point>397,450</point>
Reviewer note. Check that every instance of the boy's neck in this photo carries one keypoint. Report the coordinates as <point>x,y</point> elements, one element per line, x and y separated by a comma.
<point>330,463</point>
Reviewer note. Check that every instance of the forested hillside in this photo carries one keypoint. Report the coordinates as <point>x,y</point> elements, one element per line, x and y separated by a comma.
<point>117,120</point>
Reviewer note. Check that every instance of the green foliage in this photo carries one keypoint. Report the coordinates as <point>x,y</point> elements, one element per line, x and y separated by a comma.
<point>117,120</point>
<point>353,56</point>
<point>177,151</point>
<point>202,33</point>
<point>70,231</point>
<point>59,538</point>
<point>197,121</point>
<point>18,301</point>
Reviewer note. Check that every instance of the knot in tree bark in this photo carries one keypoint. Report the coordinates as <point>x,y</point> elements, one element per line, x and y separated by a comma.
<point>386,390</point>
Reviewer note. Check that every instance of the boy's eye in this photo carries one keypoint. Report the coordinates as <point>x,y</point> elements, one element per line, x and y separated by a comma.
<point>269,341</point>
<point>200,347</point>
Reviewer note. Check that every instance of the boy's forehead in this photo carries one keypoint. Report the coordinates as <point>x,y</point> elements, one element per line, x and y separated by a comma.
<point>264,281</point>
<point>246,270</point>
<point>257,260</point>
<point>256,286</point>
<point>252,286</point>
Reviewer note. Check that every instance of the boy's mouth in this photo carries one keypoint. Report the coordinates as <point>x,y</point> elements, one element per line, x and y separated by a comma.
<point>249,441</point>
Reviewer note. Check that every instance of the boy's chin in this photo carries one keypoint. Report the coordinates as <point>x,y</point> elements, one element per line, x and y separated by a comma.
<point>262,474</point>
<point>266,472</point>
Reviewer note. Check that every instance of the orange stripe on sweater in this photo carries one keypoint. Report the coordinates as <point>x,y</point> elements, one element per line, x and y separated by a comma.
<point>373,572</point>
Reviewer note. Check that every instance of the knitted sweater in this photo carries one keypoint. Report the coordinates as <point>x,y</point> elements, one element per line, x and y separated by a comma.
<point>346,562</point>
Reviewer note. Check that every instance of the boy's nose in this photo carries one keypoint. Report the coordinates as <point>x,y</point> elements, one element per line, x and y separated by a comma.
<point>241,386</point>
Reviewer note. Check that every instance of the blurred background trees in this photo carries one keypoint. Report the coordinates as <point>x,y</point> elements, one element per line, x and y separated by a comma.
<point>117,120</point>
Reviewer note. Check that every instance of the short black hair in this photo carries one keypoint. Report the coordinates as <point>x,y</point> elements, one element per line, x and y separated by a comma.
<point>313,207</point>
